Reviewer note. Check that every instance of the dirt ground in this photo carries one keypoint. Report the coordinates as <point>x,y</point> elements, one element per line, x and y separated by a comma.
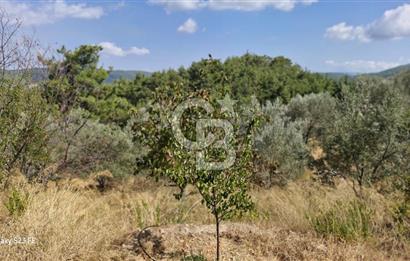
<point>239,242</point>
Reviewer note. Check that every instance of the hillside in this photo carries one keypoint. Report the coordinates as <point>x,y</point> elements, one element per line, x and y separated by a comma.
<point>393,71</point>
<point>40,74</point>
<point>130,74</point>
<point>338,75</point>
<point>384,74</point>
<point>124,74</point>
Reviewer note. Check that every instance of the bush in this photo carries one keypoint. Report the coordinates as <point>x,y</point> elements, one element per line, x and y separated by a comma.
<point>349,221</point>
<point>194,258</point>
<point>16,203</point>
<point>280,146</point>
<point>402,216</point>
<point>95,147</point>
<point>314,110</point>
<point>23,120</point>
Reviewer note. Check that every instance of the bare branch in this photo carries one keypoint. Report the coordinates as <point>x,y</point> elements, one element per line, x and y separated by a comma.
<point>17,52</point>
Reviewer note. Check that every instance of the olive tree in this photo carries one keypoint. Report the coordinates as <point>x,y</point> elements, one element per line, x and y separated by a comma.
<point>96,147</point>
<point>369,137</point>
<point>279,144</point>
<point>316,111</point>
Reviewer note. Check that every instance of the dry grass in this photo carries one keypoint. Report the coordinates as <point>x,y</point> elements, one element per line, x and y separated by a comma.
<point>242,241</point>
<point>73,223</point>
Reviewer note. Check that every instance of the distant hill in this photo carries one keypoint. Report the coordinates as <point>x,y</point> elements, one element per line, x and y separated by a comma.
<point>39,74</point>
<point>385,74</point>
<point>36,74</point>
<point>123,74</point>
<point>338,75</point>
<point>393,71</point>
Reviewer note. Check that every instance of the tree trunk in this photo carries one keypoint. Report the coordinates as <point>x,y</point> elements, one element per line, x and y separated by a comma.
<point>217,221</point>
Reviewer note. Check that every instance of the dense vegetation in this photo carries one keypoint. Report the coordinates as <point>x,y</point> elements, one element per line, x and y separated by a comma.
<point>76,122</point>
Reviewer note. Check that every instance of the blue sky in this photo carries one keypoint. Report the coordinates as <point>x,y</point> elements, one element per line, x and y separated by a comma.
<point>321,35</point>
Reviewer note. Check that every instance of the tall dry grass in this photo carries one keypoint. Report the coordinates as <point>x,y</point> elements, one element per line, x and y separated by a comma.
<point>72,223</point>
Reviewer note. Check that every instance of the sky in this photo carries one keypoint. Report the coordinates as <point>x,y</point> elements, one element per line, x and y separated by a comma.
<point>151,35</point>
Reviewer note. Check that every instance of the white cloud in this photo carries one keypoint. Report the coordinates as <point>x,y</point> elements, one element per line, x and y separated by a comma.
<point>342,31</point>
<point>394,23</point>
<point>363,66</point>
<point>190,26</point>
<point>49,11</point>
<point>110,48</point>
<point>175,5</point>
<point>246,5</point>
<point>240,5</point>
<point>138,51</point>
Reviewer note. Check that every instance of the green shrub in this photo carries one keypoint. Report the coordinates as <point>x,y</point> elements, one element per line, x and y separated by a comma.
<point>280,147</point>
<point>194,257</point>
<point>401,217</point>
<point>93,146</point>
<point>23,118</point>
<point>405,187</point>
<point>316,111</point>
<point>349,221</point>
<point>145,213</point>
<point>16,203</point>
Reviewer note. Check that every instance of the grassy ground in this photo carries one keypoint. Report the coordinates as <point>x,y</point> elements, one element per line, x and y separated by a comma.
<point>304,221</point>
